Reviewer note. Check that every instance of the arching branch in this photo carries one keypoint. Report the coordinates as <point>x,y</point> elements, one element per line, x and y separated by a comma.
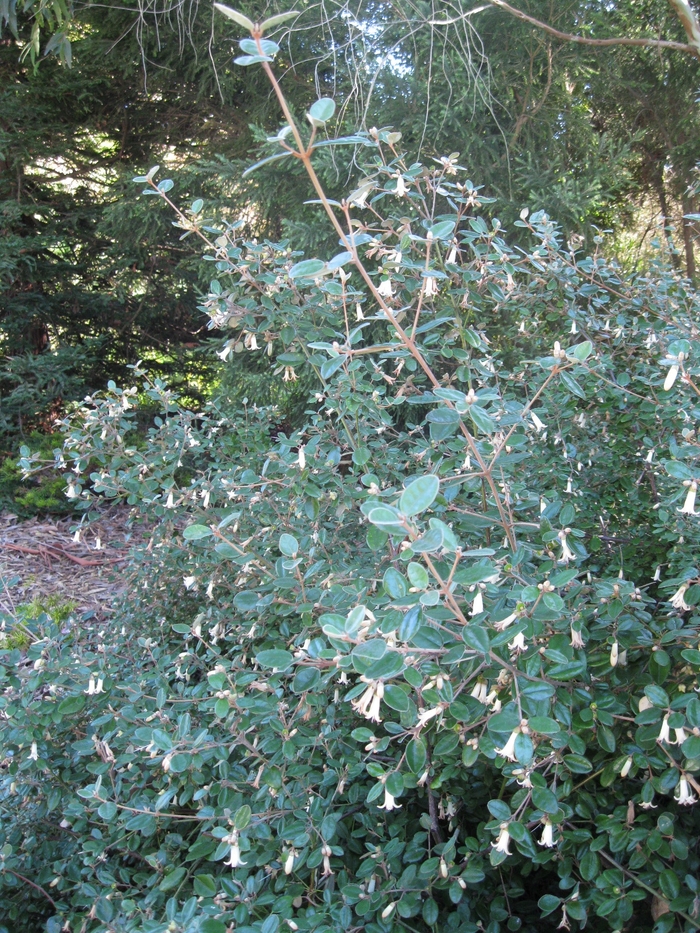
<point>682,8</point>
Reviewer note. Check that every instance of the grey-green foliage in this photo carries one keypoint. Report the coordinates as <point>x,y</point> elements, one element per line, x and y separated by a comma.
<point>411,666</point>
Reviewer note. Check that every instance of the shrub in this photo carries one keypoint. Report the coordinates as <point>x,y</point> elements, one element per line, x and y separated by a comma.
<point>426,663</point>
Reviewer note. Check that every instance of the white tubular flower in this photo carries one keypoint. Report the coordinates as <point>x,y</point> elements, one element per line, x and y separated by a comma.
<point>521,329</point>
<point>684,796</point>
<point>189,582</point>
<point>359,316</point>
<point>389,802</point>
<point>577,639</point>
<point>680,736</point>
<point>478,604</point>
<point>34,752</point>
<point>569,487</point>
<point>226,351</point>
<point>289,862</point>
<point>430,288</point>
<point>361,705</point>
<point>547,838</point>
<point>72,492</point>
<point>671,378</point>
<point>657,574</point>
<point>374,708</point>
<point>522,776</point>
<point>452,255</point>
<point>614,654</point>
<point>539,425</point>
<point>234,857</point>
<point>170,504</point>
<point>665,732</point>
<point>91,686</point>
<point>480,692</point>
<point>508,750</point>
<point>518,644</point>
<point>302,458</point>
<point>388,911</point>
<point>426,715</point>
<point>327,852</point>
<point>574,329</point>
<point>400,185</point>
<point>384,289</point>
<point>503,624</point>
<point>289,375</point>
<point>566,553</point>
<point>678,600</point>
<point>689,504</point>
<point>501,844</point>
<point>625,770</point>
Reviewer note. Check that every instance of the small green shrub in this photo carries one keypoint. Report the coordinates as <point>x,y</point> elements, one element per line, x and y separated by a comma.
<point>427,662</point>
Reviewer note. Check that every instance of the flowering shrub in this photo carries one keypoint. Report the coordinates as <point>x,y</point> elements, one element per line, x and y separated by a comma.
<point>428,662</point>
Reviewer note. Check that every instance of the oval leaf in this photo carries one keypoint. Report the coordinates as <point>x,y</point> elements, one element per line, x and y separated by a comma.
<point>420,495</point>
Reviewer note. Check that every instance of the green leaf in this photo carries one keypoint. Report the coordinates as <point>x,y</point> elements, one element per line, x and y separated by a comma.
<point>289,546</point>
<point>386,517</point>
<point>307,268</point>
<point>204,885</point>
<point>691,747</point>
<point>416,755</point>
<point>428,543</point>
<point>419,495</point>
<point>578,764</point>
<point>477,638</point>
<point>581,351</point>
<point>442,230</point>
<point>277,20</point>
<point>572,385</point>
<point>195,532</point>
<point>394,583</point>
<point>418,575</point>
<point>242,816</point>
<point>394,696</point>
<point>332,365</point>
<point>389,665</point>
<point>322,111</point>
<point>482,419</point>
<point>305,679</point>
<point>548,903</point>
<point>276,658</point>
<point>272,158</point>
<point>369,651</point>
<point>107,811</point>
<point>544,725</point>
<point>544,799</point>
<point>267,47</point>
<point>71,705</point>
<point>172,881</point>
<point>237,17</point>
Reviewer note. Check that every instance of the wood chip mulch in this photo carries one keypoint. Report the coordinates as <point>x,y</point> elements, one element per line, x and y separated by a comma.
<point>42,557</point>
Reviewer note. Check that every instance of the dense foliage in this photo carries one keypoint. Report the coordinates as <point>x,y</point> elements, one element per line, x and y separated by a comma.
<point>91,280</point>
<point>427,662</point>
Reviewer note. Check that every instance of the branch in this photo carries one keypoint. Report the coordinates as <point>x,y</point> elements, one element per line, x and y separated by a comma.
<point>682,9</point>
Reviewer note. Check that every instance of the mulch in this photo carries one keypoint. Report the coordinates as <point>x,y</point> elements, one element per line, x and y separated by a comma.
<point>42,557</point>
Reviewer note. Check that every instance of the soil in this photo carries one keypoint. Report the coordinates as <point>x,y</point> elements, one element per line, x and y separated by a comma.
<point>43,557</point>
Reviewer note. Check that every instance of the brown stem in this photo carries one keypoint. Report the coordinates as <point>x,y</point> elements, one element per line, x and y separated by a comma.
<point>585,40</point>
<point>304,153</point>
<point>37,887</point>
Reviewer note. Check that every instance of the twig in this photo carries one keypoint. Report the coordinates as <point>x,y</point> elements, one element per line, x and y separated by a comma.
<point>48,550</point>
